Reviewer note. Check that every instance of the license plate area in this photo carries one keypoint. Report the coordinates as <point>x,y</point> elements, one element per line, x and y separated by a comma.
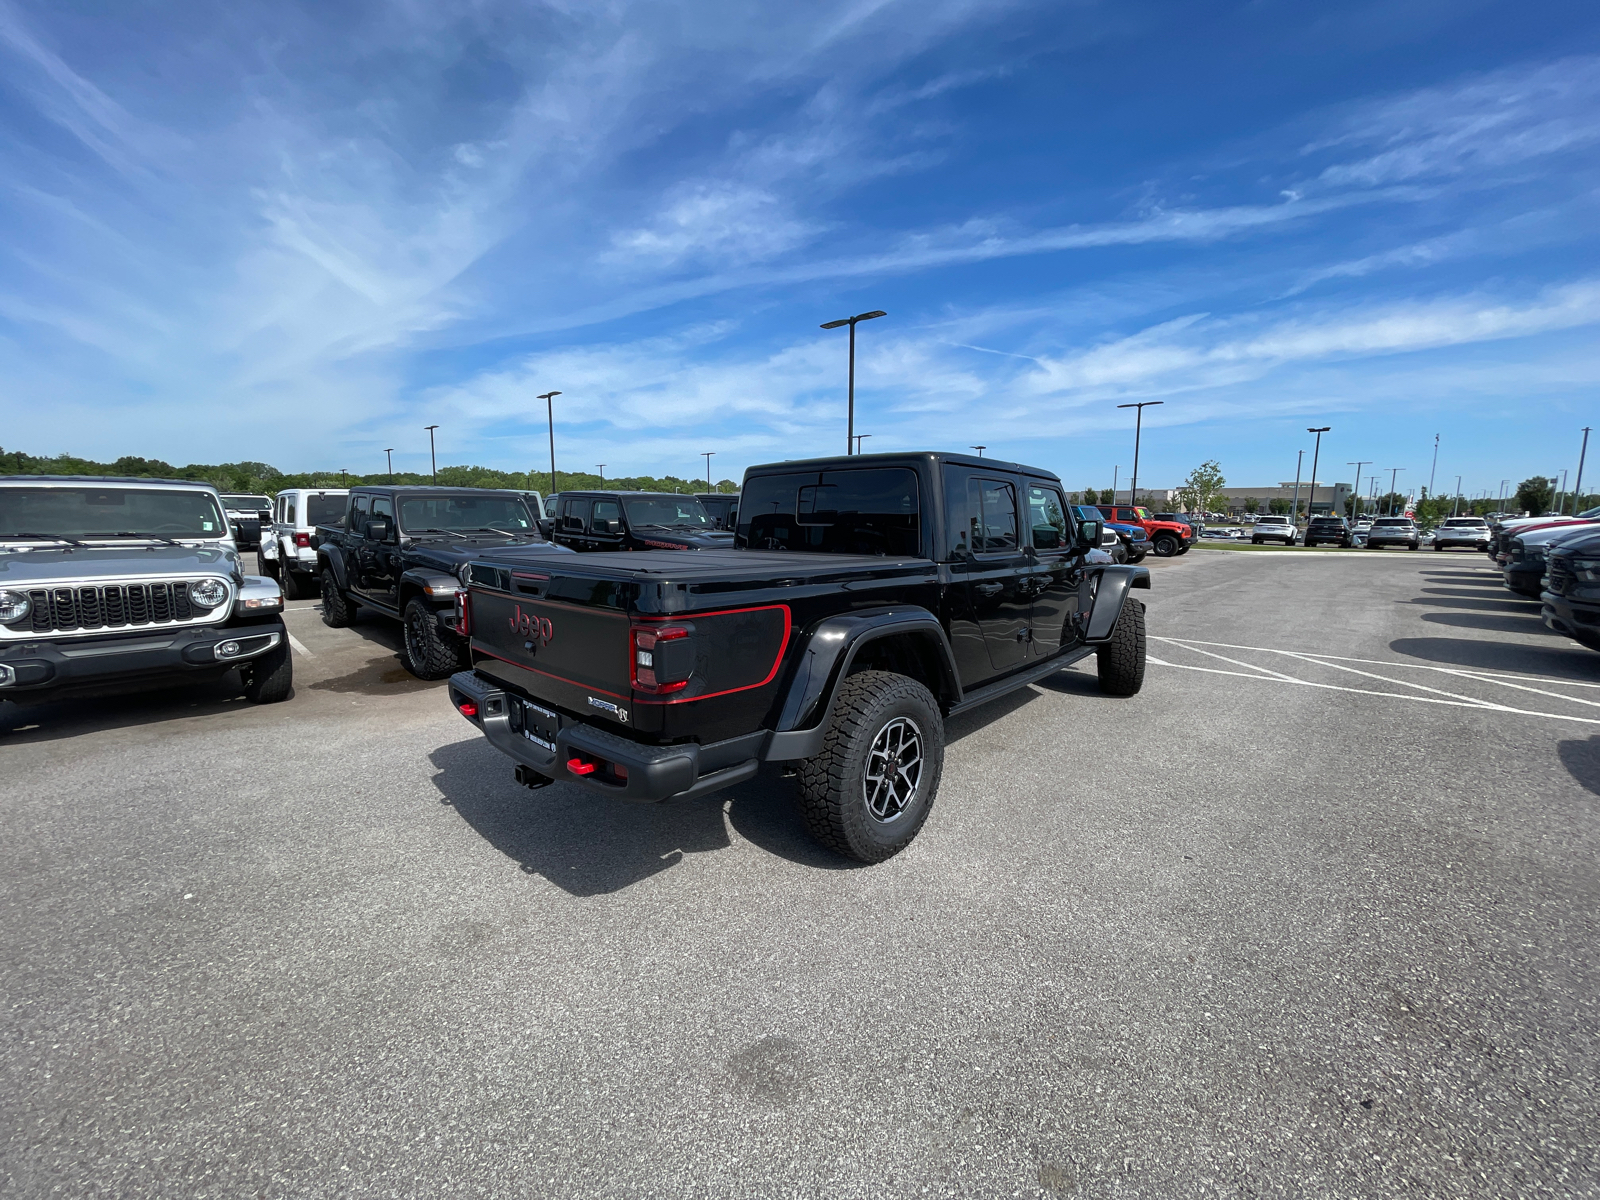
<point>537,724</point>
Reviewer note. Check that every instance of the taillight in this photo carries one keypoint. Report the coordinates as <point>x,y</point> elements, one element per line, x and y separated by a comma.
<point>303,540</point>
<point>463,615</point>
<point>662,658</point>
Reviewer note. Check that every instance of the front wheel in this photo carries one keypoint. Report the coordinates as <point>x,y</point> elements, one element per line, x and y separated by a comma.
<point>1165,545</point>
<point>1121,660</point>
<point>868,791</point>
<point>1411,546</point>
<point>297,586</point>
<point>430,652</point>
<point>270,678</point>
<point>1255,541</point>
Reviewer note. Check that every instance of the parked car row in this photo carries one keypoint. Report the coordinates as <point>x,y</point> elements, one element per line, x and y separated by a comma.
<point>1556,561</point>
<point>619,642</point>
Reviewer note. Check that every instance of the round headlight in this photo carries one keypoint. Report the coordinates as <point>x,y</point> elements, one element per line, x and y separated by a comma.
<point>14,606</point>
<point>208,593</point>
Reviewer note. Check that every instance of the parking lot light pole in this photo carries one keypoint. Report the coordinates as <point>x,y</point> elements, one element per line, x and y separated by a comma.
<point>861,437</point>
<point>433,457</point>
<point>1504,483</point>
<point>979,449</point>
<point>1116,473</point>
<point>390,453</point>
<point>549,399</point>
<point>1435,467</point>
<point>1577,484</point>
<point>1138,428</point>
<point>1355,492</point>
<point>706,454</point>
<point>850,427</point>
<point>1394,473</point>
<point>1294,511</point>
<point>1311,502</point>
<point>601,467</point>
<point>1455,509</point>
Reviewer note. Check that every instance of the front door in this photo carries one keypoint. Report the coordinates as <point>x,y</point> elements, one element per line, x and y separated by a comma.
<point>605,526</point>
<point>1059,570</point>
<point>383,568</point>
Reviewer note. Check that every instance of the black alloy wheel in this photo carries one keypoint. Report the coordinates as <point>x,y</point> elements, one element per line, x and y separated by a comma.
<point>1165,545</point>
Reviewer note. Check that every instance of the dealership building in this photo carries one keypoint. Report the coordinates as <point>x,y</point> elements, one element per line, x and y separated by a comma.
<point>1327,497</point>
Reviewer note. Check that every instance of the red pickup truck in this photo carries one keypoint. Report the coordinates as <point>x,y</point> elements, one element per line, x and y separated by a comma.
<point>1166,537</point>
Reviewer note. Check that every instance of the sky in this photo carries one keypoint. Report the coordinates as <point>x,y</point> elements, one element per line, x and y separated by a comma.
<point>298,233</point>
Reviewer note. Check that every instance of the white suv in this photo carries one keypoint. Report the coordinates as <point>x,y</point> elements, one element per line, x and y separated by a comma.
<point>289,550</point>
<point>1273,529</point>
<point>1394,531</point>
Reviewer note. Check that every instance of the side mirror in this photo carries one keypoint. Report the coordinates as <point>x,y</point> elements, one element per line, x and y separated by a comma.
<point>379,529</point>
<point>611,525</point>
<point>547,525</point>
<point>1089,534</point>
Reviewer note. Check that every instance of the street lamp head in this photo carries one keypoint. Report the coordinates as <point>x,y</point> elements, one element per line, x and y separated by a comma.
<point>1143,404</point>
<point>1323,429</point>
<point>430,427</point>
<point>836,324</point>
<point>877,312</point>
<point>548,395</point>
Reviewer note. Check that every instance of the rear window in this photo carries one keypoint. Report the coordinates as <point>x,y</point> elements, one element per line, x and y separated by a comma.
<point>1461,522</point>
<point>1273,521</point>
<point>325,510</point>
<point>871,511</point>
<point>1393,521</point>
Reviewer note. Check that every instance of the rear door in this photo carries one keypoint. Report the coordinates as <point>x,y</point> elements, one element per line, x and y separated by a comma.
<point>605,525</point>
<point>573,527</point>
<point>1000,575</point>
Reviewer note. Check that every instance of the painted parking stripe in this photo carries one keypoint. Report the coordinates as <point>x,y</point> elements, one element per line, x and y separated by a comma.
<point>299,646</point>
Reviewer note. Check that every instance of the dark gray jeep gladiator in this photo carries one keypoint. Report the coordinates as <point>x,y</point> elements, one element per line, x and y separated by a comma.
<point>868,599</point>
<point>400,551</point>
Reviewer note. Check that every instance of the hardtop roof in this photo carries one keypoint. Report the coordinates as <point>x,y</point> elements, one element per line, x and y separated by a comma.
<point>905,458</point>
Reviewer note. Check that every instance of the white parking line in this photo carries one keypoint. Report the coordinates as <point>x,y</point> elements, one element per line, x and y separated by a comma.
<point>299,646</point>
<point>1449,699</point>
<point>1378,662</point>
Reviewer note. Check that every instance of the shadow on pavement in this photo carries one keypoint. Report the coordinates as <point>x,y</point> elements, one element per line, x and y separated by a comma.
<point>1491,624</point>
<point>1560,659</point>
<point>72,717</point>
<point>1581,758</point>
<point>1510,603</point>
<point>590,845</point>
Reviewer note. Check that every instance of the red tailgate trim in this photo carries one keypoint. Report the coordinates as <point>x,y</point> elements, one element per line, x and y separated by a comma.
<point>788,630</point>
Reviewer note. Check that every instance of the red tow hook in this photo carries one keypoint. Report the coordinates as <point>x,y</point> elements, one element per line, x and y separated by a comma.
<point>578,767</point>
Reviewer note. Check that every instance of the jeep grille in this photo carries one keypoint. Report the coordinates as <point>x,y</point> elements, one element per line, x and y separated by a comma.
<point>113,606</point>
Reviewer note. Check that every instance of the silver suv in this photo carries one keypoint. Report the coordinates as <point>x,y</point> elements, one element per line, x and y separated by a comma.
<point>1470,532</point>
<point>1394,531</point>
<point>118,585</point>
<point>1273,529</point>
<point>289,547</point>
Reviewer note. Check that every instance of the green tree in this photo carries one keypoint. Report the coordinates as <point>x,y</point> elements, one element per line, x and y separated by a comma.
<point>1534,495</point>
<point>1278,506</point>
<point>1251,504</point>
<point>1202,490</point>
<point>1090,496</point>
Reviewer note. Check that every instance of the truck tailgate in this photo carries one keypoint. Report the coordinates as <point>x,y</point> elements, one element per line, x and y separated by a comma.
<point>571,631</point>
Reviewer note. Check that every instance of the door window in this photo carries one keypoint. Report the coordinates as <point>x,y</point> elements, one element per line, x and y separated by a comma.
<point>606,510</point>
<point>574,515</point>
<point>360,510</point>
<point>1128,515</point>
<point>1047,518</point>
<point>288,510</point>
<point>997,507</point>
<point>383,506</point>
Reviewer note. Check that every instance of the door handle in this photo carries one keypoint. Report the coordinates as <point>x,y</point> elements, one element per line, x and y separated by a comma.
<point>989,589</point>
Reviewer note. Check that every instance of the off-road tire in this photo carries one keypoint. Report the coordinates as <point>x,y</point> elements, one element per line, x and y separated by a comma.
<point>430,652</point>
<point>269,678</point>
<point>1121,660</point>
<point>338,610</point>
<point>1164,545</point>
<point>831,789</point>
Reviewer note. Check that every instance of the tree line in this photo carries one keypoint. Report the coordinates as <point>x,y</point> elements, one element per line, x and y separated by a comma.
<point>263,478</point>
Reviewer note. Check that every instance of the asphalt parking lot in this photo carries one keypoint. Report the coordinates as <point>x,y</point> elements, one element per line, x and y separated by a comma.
<point>1315,914</point>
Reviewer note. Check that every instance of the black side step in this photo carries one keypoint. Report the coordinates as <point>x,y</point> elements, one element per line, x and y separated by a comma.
<point>993,691</point>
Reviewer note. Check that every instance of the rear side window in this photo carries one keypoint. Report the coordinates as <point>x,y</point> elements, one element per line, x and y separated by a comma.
<point>323,510</point>
<point>870,511</point>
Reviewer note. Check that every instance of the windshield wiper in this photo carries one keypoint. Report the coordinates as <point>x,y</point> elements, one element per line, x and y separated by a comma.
<point>154,537</point>
<point>45,537</point>
<point>501,532</point>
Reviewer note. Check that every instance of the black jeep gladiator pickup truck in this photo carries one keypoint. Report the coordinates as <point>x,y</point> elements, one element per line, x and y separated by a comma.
<point>869,598</point>
<point>400,550</point>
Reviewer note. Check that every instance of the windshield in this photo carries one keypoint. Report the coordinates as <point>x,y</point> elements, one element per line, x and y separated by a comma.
<point>667,510</point>
<point>79,512</point>
<point>465,514</point>
<point>326,510</point>
<point>246,503</point>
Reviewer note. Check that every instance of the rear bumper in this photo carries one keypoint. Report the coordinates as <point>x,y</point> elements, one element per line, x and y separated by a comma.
<point>648,773</point>
<point>35,672</point>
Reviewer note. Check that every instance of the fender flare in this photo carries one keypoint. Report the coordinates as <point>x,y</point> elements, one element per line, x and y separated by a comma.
<point>1111,590</point>
<point>830,647</point>
<point>421,579</point>
<point>333,559</point>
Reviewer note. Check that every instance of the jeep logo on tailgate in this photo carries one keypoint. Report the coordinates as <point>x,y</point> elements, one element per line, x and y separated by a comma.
<point>535,629</point>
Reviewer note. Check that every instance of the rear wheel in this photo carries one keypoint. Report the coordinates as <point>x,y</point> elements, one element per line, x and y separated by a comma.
<point>338,610</point>
<point>1255,541</point>
<point>869,790</point>
<point>1165,545</point>
<point>270,678</point>
<point>297,586</point>
<point>430,652</point>
<point>1121,660</point>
